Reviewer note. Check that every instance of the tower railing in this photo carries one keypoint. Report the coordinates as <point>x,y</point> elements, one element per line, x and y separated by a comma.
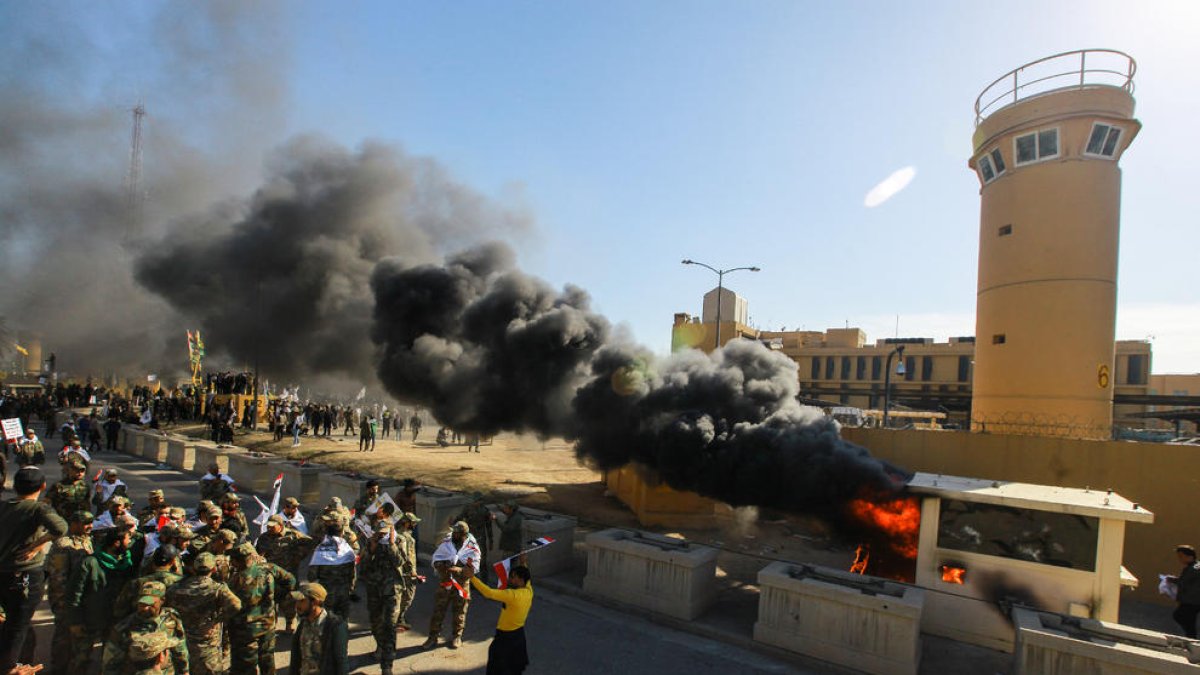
<point>1068,70</point>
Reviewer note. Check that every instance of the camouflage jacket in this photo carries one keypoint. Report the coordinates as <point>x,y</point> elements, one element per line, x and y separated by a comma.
<point>286,549</point>
<point>68,498</point>
<point>204,605</point>
<point>256,586</point>
<point>479,519</point>
<point>116,650</point>
<point>213,489</point>
<point>408,553</point>
<point>381,564</point>
<point>236,524</point>
<point>65,556</point>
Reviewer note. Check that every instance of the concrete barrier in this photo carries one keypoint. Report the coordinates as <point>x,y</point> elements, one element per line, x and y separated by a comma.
<point>302,482</point>
<point>207,453</point>
<point>559,556</point>
<point>253,471</point>
<point>1053,644</point>
<point>154,446</point>
<point>348,486</point>
<point>662,574</point>
<point>861,622</point>
<point>181,453</point>
<point>435,508</point>
<point>131,444</point>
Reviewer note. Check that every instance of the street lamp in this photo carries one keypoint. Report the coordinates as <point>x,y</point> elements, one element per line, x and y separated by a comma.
<point>720,286</point>
<point>887,380</point>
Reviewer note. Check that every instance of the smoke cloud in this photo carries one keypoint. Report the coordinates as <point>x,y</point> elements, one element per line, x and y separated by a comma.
<point>488,349</point>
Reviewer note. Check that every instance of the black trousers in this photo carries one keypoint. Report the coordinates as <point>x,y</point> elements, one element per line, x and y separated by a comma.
<point>507,654</point>
<point>20,594</point>
<point>1185,616</point>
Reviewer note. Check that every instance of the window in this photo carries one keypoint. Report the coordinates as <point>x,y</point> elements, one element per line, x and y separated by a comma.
<point>926,368</point>
<point>860,368</point>
<point>829,367</point>
<point>998,339</point>
<point>991,165</point>
<point>1036,146</point>
<point>1059,539</point>
<point>1103,141</point>
<point>816,368</point>
<point>1135,370</point>
<point>876,367</point>
<point>910,367</point>
<point>964,368</point>
<point>845,367</point>
<point>1005,230</point>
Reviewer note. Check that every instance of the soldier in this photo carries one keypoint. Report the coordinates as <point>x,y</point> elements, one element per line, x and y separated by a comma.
<point>214,484</point>
<point>407,546</point>
<point>457,553</point>
<point>65,557</point>
<point>116,514</point>
<point>477,516</point>
<point>252,630</point>
<point>293,518</point>
<point>174,533</point>
<point>150,653</point>
<point>204,605</point>
<point>150,617</point>
<point>108,488</point>
<point>511,537</point>
<point>335,511</point>
<point>370,494</point>
<point>210,525</point>
<point>332,563</point>
<point>321,639</point>
<point>164,570</point>
<point>30,450</point>
<point>287,548</point>
<point>92,592</point>
<point>221,545</point>
<point>70,494</point>
<point>381,574</point>
<point>149,513</point>
<point>232,517</point>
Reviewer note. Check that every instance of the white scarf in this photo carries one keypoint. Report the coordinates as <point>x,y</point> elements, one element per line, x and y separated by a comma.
<point>467,555</point>
<point>332,551</point>
<point>297,522</point>
<point>107,489</point>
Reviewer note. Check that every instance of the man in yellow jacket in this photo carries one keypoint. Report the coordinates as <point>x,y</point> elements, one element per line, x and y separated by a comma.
<point>507,653</point>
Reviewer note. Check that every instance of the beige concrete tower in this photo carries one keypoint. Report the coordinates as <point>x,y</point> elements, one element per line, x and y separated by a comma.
<point>1047,143</point>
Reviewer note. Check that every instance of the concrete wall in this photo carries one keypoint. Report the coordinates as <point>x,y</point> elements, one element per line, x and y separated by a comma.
<point>661,574</point>
<point>1044,648</point>
<point>1164,479</point>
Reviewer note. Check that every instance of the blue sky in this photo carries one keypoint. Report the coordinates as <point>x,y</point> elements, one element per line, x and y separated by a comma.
<point>748,133</point>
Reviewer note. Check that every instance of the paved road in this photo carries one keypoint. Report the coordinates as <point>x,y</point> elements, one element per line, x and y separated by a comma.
<point>566,635</point>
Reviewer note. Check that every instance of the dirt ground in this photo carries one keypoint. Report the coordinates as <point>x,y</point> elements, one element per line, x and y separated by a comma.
<point>546,475</point>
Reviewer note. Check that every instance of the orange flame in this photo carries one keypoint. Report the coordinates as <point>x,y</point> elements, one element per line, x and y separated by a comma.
<point>953,575</point>
<point>862,555</point>
<point>899,518</point>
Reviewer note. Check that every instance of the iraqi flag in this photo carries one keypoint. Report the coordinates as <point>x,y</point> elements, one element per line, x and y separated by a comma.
<point>502,568</point>
<point>267,511</point>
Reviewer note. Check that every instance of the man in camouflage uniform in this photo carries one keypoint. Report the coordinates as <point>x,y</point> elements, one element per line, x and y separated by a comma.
<point>334,512</point>
<point>164,570</point>
<point>381,573</point>
<point>457,553</point>
<point>175,534</point>
<point>337,579</point>
<point>210,525</point>
<point>148,515</point>
<point>30,450</point>
<point>71,494</point>
<point>204,605</point>
<point>370,494</point>
<point>232,517</point>
<point>65,556</point>
<point>407,546</point>
<point>214,484</point>
<point>287,548</point>
<point>252,631</point>
<point>150,617</point>
<point>477,516</point>
<point>150,653</point>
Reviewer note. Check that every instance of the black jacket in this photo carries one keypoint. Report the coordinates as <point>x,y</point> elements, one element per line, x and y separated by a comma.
<point>335,639</point>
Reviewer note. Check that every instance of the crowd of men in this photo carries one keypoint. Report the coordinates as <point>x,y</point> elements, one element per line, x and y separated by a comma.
<point>202,590</point>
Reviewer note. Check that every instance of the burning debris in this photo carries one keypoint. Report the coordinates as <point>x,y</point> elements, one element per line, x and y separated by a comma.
<point>488,349</point>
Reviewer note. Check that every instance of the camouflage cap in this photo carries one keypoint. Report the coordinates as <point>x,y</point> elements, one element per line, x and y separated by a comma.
<point>243,550</point>
<point>205,562</point>
<point>226,536</point>
<point>110,472</point>
<point>119,499</point>
<point>212,511</point>
<point>76,463</point>
<point>291,501</point>
<point>203,505</point>
<point>84,517</point>
<point>461,526</point>
<point>231,498</point>
<point>177,513</point>
<point>150,592</point>
<point>149,645</point>
<point>310,590</point>
<point>156,493</point>
<point>408,517</point>
<point>276,518</point>
<point>334,503</point>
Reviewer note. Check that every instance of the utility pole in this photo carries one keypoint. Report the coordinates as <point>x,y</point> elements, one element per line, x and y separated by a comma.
<point>134,196</point>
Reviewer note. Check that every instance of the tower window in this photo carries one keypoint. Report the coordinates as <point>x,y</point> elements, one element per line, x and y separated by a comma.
<point>1005,230</point>
<point>991,165</point>
<point>998,339</point>
<point>1036,146</point>
<point>1103,141</point>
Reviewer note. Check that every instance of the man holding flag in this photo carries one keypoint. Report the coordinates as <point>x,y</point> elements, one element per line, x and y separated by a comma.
<point>457,554</point>
<point>507,653</point>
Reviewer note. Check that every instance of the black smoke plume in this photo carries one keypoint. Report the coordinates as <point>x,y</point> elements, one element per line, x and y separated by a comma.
<point>488,348</point>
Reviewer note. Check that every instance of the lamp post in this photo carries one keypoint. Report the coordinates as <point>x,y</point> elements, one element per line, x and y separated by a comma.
<point>887,380</point>
<point>720,286</point>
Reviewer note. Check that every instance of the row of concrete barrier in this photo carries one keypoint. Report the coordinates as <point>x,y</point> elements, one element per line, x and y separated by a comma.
<point>855,621</point>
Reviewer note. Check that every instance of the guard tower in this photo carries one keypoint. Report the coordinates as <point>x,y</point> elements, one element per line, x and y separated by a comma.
<point>1048,139</point>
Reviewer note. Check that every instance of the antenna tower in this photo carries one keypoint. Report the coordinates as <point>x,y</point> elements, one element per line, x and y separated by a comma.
<point>133,181</point>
